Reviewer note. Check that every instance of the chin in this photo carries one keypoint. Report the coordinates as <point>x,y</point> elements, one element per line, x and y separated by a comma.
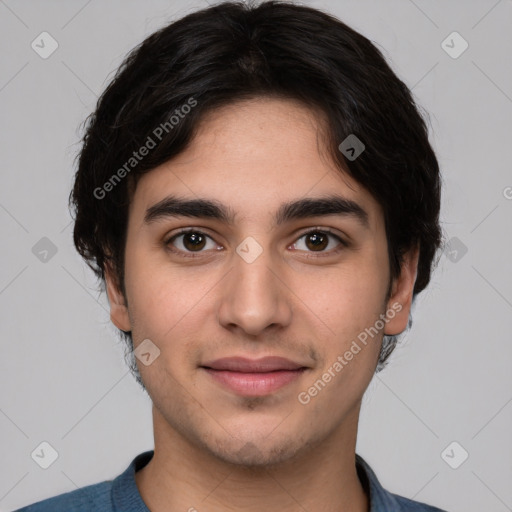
<point>256,453</point>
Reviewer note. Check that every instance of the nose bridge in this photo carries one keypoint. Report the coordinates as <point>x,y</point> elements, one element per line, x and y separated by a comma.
<point>254,277</point>
<point>254,298</point>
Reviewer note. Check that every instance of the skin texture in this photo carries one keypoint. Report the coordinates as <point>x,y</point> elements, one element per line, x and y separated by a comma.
<point>216,450</point>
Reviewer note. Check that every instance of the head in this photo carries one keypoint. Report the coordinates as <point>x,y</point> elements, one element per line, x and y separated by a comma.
<point>247,107</point>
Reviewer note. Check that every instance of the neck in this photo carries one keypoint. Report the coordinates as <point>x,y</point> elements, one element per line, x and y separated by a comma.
<point>187,477</point>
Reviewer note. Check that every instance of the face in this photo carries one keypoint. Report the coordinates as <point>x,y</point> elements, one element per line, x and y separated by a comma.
<point>298,283</point>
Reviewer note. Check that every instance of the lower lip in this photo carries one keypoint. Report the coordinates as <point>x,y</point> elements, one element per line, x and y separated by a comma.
<point>255,384</point>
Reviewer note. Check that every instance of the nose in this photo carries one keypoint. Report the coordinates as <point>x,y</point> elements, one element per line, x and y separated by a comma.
<point>255,298</point>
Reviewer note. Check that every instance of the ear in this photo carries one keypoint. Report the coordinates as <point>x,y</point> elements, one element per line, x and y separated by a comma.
<point>118,309</point>
<point>400,299</point>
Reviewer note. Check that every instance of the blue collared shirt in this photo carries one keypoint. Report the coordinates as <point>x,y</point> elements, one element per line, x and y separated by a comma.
<point>122,494</point>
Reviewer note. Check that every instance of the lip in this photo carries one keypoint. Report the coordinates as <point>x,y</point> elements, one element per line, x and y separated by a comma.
<point>254,377</point>
<point>245,365</point>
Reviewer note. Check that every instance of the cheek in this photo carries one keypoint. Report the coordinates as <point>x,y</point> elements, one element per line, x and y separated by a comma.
<point>346,299</point>
<point>165,301</point>
<point>160,305</point>
<point>350,305</point>
<point>172,305</point>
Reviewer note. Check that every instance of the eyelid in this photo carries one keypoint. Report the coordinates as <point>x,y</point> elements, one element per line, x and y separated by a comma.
<point>300,234</point>
<point>315,229</point>
<point>184,231</point>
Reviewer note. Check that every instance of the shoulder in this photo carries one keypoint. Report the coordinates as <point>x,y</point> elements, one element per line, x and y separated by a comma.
<point>381,500</point>
<point>92,497</point>
<point>118,494</point>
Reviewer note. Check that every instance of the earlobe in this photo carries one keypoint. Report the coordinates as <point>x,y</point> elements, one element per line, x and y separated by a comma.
<point>399,303</point>
<point>118,309</point>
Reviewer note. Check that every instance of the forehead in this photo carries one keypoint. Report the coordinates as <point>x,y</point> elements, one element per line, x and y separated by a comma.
<point>253,155</point>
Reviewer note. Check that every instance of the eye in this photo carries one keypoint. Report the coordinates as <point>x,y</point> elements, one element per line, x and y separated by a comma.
<point>317,240</point>
<point>192,241</point>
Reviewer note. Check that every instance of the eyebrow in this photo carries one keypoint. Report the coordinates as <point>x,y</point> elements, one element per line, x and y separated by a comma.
<point>172,206</point>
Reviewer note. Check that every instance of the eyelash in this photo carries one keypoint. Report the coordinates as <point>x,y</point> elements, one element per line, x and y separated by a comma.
<point>189,254</point>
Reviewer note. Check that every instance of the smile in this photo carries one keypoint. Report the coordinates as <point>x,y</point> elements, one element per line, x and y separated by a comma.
<point>254,383</point>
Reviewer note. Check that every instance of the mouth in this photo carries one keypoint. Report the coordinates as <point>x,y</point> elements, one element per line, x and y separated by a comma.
<point>254,377</point>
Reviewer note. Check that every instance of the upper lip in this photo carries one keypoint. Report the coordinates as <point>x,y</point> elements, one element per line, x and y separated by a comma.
<point>242,364</point>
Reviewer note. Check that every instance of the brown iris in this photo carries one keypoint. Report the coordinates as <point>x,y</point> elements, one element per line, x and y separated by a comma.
<point>197,241</point>
<point>319,240</point>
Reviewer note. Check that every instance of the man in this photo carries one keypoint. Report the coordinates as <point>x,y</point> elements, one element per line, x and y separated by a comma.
<point>257,191</point>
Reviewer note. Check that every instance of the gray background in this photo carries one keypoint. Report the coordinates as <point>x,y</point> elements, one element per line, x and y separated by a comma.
<point>63,377</point>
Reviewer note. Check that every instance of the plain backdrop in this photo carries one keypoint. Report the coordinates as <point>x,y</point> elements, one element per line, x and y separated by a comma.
<point>63,379</point>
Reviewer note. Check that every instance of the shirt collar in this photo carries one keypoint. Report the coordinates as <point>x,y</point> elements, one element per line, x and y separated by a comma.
<point>126,496</point>
<point>379,499</point>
